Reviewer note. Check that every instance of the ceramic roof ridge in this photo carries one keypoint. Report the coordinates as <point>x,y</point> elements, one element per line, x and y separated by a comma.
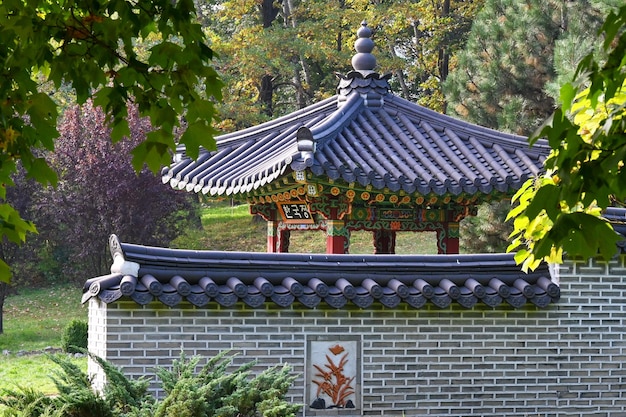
<point>171,276</point>
<point>154,258</point>
<point>137,251</point>
<point>309,138</point>
<point>337,120</point>
<point>273,124</point>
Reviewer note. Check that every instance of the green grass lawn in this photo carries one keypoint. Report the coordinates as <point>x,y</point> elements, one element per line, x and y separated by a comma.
<point>34,319</point>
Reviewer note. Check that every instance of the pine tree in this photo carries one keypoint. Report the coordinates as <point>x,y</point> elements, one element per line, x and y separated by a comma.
<point>508,77</point>
<point>502,73</point>
<point>487,232</point>
<point>579,39</point>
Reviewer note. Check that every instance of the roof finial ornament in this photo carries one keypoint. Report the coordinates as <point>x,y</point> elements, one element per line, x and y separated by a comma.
<point>363,61</point>
<point>364,81</point>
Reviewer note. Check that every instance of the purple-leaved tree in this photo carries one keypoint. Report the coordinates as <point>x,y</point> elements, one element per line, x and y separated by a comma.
<point>99,193</point>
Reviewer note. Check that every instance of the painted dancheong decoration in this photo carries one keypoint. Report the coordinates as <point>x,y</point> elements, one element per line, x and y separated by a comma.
<point>333,377</point>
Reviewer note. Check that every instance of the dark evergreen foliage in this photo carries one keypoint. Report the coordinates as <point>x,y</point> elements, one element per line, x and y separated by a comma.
<point>215,392</point>
<point>508,76</point>
<point>74,337</point>
<point>211,392</point>
<point>501,77</point>
<point>487,232</point>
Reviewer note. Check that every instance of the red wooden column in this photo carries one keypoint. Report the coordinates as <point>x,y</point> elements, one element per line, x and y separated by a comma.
<point>384,242</point>
<point>277,237</point>
<point>337,236</point>
<point>452,237</point>
<point>272,236</point>
<point>448,238</point>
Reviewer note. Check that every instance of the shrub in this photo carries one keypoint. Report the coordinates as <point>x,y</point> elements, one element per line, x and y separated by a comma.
<point>214,391</point>
<point>76,397</point>
<point>488,231</point>
<point>74,337</point>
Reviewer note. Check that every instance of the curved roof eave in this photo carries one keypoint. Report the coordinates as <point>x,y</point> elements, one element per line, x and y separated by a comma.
<point>144,273</point>
<point>245,156</point>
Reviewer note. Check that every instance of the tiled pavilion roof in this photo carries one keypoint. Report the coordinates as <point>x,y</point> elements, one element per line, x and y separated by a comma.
<point>171,276</point>
<point>368,136</point>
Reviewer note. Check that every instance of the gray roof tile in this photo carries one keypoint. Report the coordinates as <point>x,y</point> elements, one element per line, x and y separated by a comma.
<point>395,144</point>
<point>202,277</point>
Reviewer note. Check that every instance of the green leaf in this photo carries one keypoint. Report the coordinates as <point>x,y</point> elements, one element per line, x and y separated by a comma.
<point>120,129</point>
<point>43,117</point>
<point>525,189</point>
<point>546,198</point>
<point>13,226</point>
<point>200,109</point>
<point>197,135</point>
<point>41,171</point>
<point>163,115</point>
<point>154,152</point>
<point>41,106</point>
<point>5,272</point>
<point>567,96</point>
<point>610,28</point>
<point>521,255</point>
<point>164,55</point>
<point>608,244</point>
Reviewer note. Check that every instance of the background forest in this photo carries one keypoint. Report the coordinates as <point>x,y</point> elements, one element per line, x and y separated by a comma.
<point>497,63</point>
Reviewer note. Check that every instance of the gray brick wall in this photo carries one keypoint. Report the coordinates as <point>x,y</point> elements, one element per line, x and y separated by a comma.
<point>97,339</point>
<point>565,360</point>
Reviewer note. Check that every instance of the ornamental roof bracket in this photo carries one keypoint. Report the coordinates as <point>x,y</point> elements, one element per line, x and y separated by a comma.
<point>120,264</point>
<point>310,139</point>
<point>306,147</point>
<point>364,80</point>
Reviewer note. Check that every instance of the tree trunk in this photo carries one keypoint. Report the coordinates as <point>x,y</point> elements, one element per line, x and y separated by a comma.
<point>300,66</point>
<point>266,94</point>
<point>269,12</point>
<point>3,292</point>
<point>444,55</point>
<point>400,76</point>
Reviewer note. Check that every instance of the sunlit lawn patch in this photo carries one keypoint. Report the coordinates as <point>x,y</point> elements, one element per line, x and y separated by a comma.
<point>33,320</point>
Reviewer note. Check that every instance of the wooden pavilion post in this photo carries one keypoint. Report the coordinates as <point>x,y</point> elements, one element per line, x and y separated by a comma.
<point>337,237</point>
<point>277,237</point>
<point>337,234</point>
<point>272,236</point>
<point>451,238</point>
<point>384,242</point>
<point>448,238</point>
